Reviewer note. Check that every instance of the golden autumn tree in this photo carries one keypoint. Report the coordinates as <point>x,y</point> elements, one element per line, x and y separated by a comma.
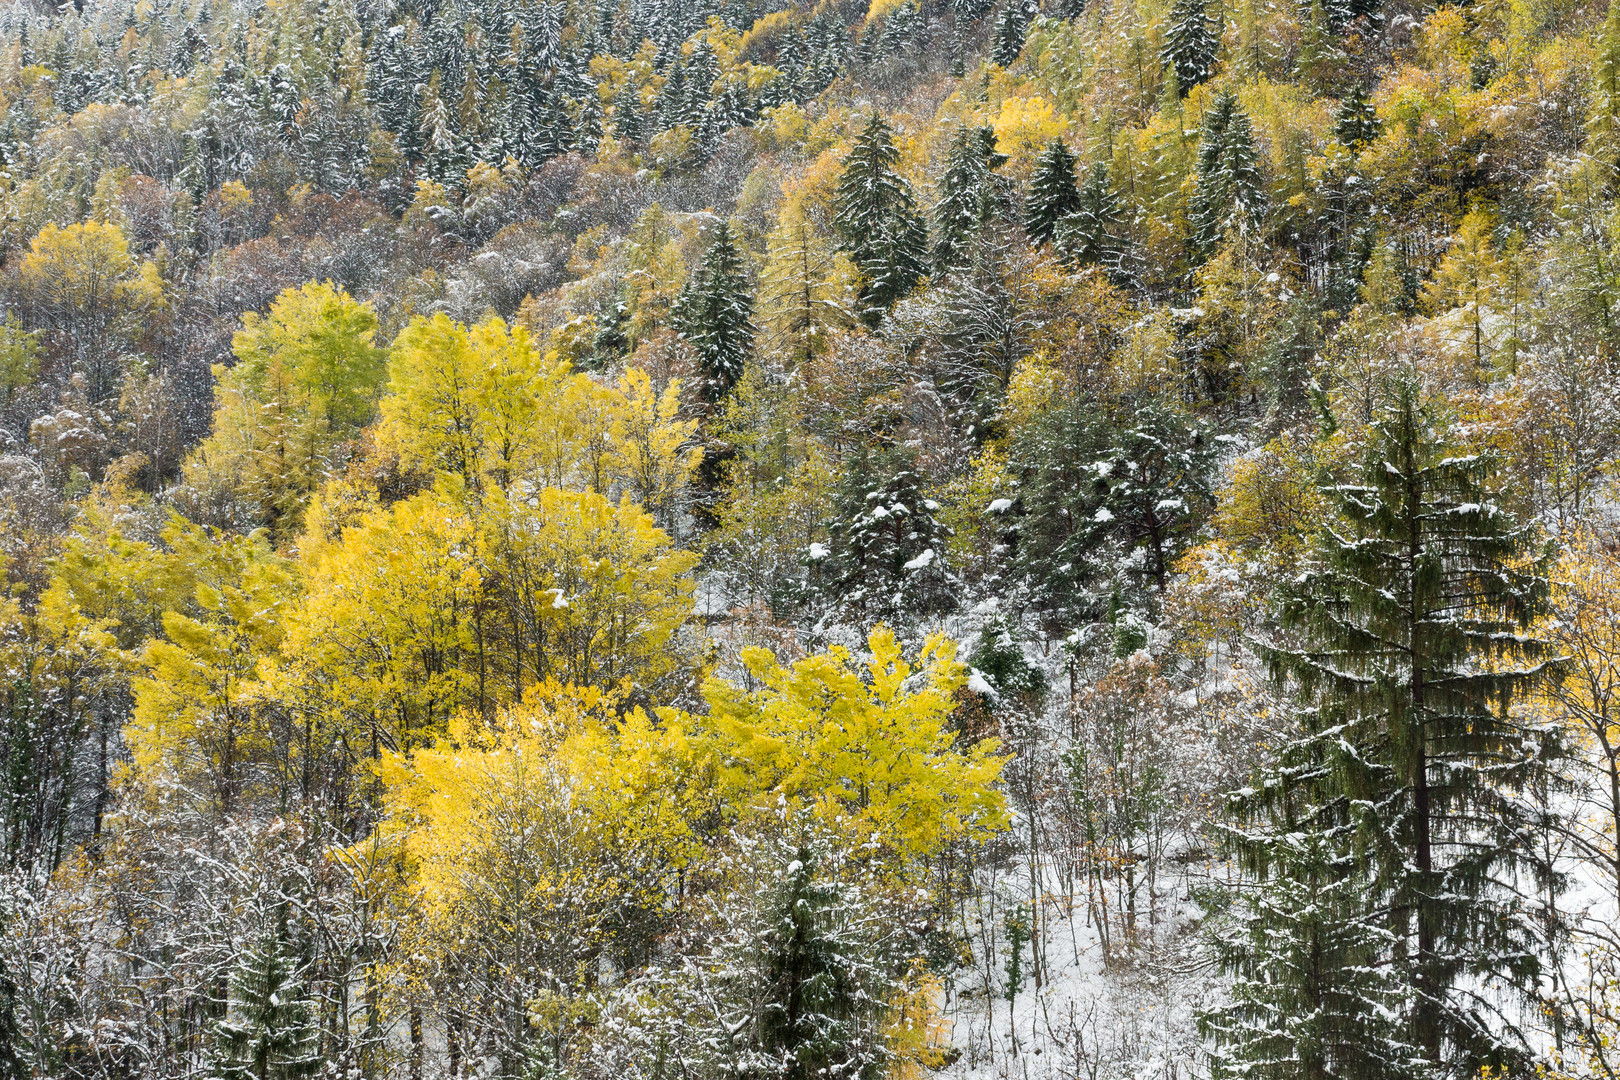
<point>540,845</point>
<point>869,754</point>
<point>196,723</point>
<point>82,284</point>
<point>306,380</point>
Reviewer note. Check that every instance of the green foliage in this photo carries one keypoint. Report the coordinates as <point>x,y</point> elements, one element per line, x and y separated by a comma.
<point>1231,191</point>
<point>876,217</point>
<point>1053,193</point>
<point>1407,641</point>
<point>1190,43</point>
<point>713,313</point>
<point>968,195</point>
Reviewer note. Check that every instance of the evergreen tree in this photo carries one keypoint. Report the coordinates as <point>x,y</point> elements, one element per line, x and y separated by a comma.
<point>884,561</point>
<point>714,312</point>
<point>1231,192</point>
<point>1008,36</point>
<point>269,1032</point>
<point>967,194</point>
<point>1311,998</point>
<point>1410,640</point>
<point>1091,491</point>
<point>1089,236</point>
<point>629,125</point>
<point>875,216</point>
<point>1357,125</point>
<point>1190,43</point>
<point>1053,193</point>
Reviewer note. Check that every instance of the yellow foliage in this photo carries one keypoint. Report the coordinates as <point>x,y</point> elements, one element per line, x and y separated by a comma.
<point>1025,125</point>
<point>869,756</point>
<point>547,827</point>
<point>196,721</point>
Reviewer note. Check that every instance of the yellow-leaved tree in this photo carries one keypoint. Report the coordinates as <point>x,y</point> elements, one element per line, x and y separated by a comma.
<point>199,725</point>
<point>483,404</point>
<point>306,380</point>
<point>873,756</point>
<point>539,845</point>
<point>439,604</point>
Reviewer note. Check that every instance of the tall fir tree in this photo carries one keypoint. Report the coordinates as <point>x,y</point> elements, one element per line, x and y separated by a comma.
<point>1409,640</point>
<point>968,194</point>
<point>1231,191</point>
<point>1053,192</point>
<point>270,1031</point>
<point>875,216</point>
<point>885,559</point>
<point>1007,39</point>
<point>1311,997</point>
<point>1090,235</point>
<point>714,314</point>
<point>1191,40</point>
<point>1356,124</point>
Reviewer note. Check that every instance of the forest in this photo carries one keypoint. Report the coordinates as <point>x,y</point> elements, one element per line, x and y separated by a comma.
<point>810,539</point>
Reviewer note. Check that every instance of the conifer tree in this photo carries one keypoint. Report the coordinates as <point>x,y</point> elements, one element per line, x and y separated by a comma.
<point>876,218</point>
<point>1190,43</point>
<point>1310,998</point>
<point>714,314</point>
<point>1231,192</point>
<point>269,1032</point>
<point>967,194</point>
<point>1053,193</point>
<point>1089,236</point>
<point>885,561</point>
<point>629,125</point>
<point>1008,36</point>
<point>1409,641</point>
<point>1356,124</point>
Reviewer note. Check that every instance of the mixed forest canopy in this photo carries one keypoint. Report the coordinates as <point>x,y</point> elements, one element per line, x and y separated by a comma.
<point>789,539</point>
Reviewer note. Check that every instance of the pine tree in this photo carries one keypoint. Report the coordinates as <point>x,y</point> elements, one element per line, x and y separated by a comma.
<point>968,195</point>
<point>1231,192</point>
<point>1053,193</point>
<point>714,312</point>
<point>1357,125</point>
<point>1008,36</point>
<point>269,1032</point>
<point>885,561</point>
<point>1410,639</point>
<point>1089,236</point>
<point>1190,43</point>
<point>875,216</point>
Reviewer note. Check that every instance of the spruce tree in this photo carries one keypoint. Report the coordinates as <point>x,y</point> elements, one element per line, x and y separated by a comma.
<point>1090,235</point>
<point>1409,640</point>
<point>1008,36</point>
<point>713,313</point>
<point>1310,996</point>
<point>885,560</point>
<point>967,194</point>
<point>876,218</point>
<point>269,1032</point>
<point>1190,43</point>
<point>1053,193</point>
<point>1231,192</point>
<point>1356,124</point>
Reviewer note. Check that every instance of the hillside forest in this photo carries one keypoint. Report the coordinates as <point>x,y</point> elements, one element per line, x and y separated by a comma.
<point>809,539</point>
